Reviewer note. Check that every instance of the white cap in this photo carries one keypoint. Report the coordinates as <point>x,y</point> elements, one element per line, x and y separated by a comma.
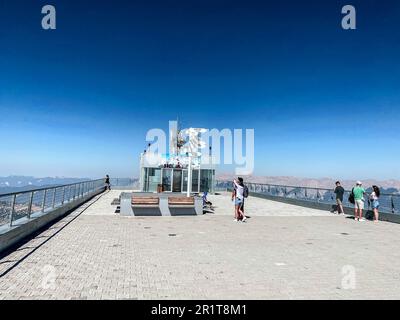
<point>359,182</point>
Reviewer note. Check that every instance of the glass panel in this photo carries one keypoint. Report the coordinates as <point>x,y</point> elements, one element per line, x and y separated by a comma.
<point>177,182</point>
<point>5,209</point>
<point>154,179</point>
<point>195,181</point>
<point>146,180</point>
<point>206,180</point>
<point>167,179</point>
<point>21,205</point>
<point>185,180</point>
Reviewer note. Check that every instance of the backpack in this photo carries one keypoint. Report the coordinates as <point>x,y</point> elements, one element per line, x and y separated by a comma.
<point>351,197</point>
<point>245,191</point>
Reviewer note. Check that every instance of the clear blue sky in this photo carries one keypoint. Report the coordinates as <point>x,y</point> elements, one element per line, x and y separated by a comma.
<point>79,100</point>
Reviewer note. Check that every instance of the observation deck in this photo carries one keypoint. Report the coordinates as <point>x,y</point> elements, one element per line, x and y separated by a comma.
<point>283,251</point>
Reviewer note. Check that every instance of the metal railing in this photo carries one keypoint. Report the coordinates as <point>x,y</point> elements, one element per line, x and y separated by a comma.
<point>124,183</point>
<point>25,204</point>
<point>389,202</point>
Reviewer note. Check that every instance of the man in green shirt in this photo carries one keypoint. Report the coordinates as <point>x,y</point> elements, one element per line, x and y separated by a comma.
<point>358,192</point>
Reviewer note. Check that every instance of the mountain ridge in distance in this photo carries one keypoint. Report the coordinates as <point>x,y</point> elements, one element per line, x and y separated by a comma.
<point>391,185</point>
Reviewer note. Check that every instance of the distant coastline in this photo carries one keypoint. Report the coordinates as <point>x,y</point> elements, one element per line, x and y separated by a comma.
<point>24,183</point>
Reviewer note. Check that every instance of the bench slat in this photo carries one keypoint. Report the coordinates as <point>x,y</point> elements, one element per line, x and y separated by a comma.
<point>181,201</point>
<point>145,200</point>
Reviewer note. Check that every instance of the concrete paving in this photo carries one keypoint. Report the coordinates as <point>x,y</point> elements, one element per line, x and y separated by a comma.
<point>282,252</point>
<point>260,207</point>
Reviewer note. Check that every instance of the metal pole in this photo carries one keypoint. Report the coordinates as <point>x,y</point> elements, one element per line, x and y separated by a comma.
<point>12,209</point>
<point>63,196</point>
<point>392,203</point>
<point>30,205</point>
<point>44,200</point>
<point>54,197</point>
<point>189,176</point>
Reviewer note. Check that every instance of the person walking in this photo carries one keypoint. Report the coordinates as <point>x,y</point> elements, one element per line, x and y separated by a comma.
<point>374,200</point>
<point>339,191</point>
<point>107,182</point>
<point>358,192</point>
<point>245,195</point>
<point>237,197</point>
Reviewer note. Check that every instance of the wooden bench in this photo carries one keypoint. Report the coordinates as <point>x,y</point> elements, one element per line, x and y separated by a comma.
<point>145,201</point>
<point>180,201</point>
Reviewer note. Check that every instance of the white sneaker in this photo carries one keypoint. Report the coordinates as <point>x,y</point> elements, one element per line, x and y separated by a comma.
<point>362,219</point>
<point>235,220</point>
<point>244,219</point>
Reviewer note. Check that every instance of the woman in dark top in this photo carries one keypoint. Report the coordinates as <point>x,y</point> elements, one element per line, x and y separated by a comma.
<point>374,200</point>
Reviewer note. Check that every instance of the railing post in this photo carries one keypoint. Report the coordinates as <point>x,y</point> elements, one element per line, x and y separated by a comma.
<point>30,204</point>
<point>54,197</point>
<point>12,209</point>
<point>392,204</point>
<point>63,196</point>
<point>44,200</point>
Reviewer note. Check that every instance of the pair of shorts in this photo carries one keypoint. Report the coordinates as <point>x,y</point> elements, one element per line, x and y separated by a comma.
<point>375,204</point>
<point>339,202</point>
<point>238,201</point>
<point>359,204</point>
